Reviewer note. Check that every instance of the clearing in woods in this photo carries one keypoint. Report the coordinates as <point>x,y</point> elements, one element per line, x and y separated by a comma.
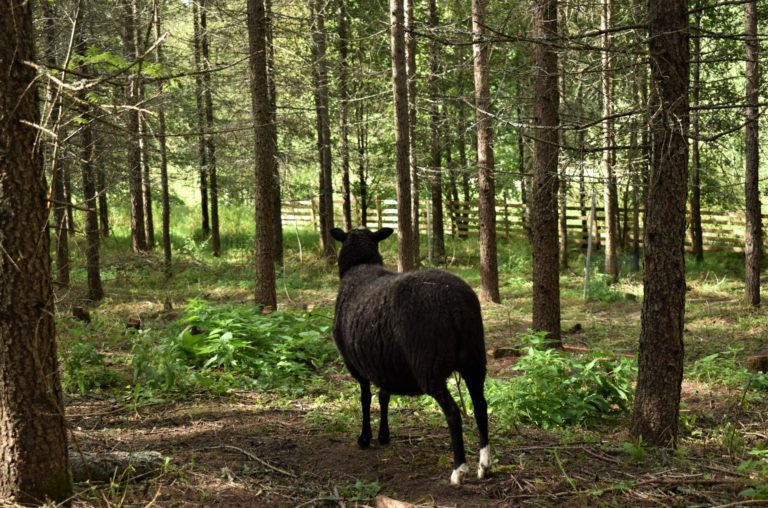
<point>289,437</point>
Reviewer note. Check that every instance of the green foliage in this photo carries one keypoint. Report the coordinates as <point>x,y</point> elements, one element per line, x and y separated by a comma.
<point>227,346</point>
<point>635,450</point>
<point>726,368</point>
<point>360,491</point>
<point>600,288</point>
<point>557,389</point>
<point>84,368</point>
<point>757,467</point>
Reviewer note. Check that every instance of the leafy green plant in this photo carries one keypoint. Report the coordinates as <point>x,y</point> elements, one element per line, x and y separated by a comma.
<point>360,490</point>
<point>237,345</point>
<point>756,466</point>
<point>727,368</point>
<point>557,389</point>
<point>635,450</point>
<point>84,368</point>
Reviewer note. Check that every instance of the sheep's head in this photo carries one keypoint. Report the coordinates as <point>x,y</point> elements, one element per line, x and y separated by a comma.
<point>359,247</point>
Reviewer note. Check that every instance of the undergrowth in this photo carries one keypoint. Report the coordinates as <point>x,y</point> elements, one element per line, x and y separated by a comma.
<point>233,346</point>
<point>558,389</point>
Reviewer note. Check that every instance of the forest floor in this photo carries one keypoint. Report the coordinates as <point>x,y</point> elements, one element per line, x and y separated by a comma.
<point>250,447</point>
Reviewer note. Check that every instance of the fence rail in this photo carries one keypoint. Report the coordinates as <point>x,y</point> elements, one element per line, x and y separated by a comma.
<point>722,231</point>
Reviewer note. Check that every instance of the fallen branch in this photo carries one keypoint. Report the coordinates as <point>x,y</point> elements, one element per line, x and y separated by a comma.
<point>250,456</point>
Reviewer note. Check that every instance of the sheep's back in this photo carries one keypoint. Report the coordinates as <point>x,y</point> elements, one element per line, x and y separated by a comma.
<point>406,332</point>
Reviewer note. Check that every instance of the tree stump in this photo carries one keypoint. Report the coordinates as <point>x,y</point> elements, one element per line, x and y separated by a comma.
<point>758,363</point>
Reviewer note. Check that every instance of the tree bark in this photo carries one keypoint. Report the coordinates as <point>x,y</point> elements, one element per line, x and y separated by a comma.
<point>525,205</point>
<point>88,157</point>
<point>202,151</point>
<point>138,233</point>
<point>33,441</point>
<point>165,193</point>
<point>101,189</point>
<point>546,277</point>
<point>486,185</point>
<point>436,180</point>
<point>210,145</point>
<point>636,167</point>
<point>362,136</point>
<point>405,238</point>
<point>146,185</point>
<point>609,190</point>
<point>753,244</point>
<point>660,360</point>
<point>344,114</point>
<point>320,75</point>
<point>410,69</point>
<point>264,154</point>
<point>461,141</point>
<point>278,204</point>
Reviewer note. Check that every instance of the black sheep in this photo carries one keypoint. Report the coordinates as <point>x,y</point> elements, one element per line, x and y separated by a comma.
<point>406,333</point>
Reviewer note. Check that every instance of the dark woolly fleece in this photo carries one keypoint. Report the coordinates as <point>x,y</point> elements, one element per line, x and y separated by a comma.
<point>405,332</point>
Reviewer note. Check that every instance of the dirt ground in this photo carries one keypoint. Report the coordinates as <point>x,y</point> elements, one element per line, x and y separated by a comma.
<point>237,450</point>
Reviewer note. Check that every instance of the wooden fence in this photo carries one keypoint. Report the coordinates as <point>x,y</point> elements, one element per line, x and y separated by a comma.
<point>722,231</point>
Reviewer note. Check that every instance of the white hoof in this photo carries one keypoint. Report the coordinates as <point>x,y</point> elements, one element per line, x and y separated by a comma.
<point>458,473</point>
<point>484,465</point>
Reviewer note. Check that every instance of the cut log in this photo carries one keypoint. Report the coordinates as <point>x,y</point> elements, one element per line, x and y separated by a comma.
<point>104,467</point>
<point>758,363</point>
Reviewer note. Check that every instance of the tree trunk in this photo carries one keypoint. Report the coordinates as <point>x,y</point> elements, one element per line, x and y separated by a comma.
<point>452,193</point>
<point>405,238</point>
<point>202,151</point>
<point>563,184</point>
<point>67,173</point>
<point>264,263</point>
<point>436,180</point>
<point>320,75</point>
<point>660,360</point>
<point>209,128</point>
<point>461,140</point>
<point>410,69</point>
<point>146,185</point>
<point>525,204</point>
<point>609,189</point>
<point>101,189</point>
<point>753,244</point>
<point>361,145</point>
<point>696,231</point>
<point>636,168</point>
<point>343,115</point>
<point>33,439</point>
<point>138,234</point>
<point>546,277</point>
<point>489,271</point>
<point>276,195</point>
<point>53,100</point>
<point>88,157</point>
<point>166,200</point>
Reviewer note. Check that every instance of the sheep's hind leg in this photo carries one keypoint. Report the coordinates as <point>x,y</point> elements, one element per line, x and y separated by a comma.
<point>453,417</point>
<point>384,421</point>
<point>364,441</point>
<point>475,384</point>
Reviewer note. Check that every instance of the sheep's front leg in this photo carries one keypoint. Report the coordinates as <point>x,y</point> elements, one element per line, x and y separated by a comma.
<point>453,417</point>
<point>364,441</point>
<point>384,422</point>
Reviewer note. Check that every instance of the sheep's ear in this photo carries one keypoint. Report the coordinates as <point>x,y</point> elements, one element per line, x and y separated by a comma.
<point>339,235</point>
<point>382,234</point>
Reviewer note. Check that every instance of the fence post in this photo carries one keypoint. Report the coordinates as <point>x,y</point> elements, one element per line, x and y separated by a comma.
<point>313,214</point>
<point>379,211</point>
